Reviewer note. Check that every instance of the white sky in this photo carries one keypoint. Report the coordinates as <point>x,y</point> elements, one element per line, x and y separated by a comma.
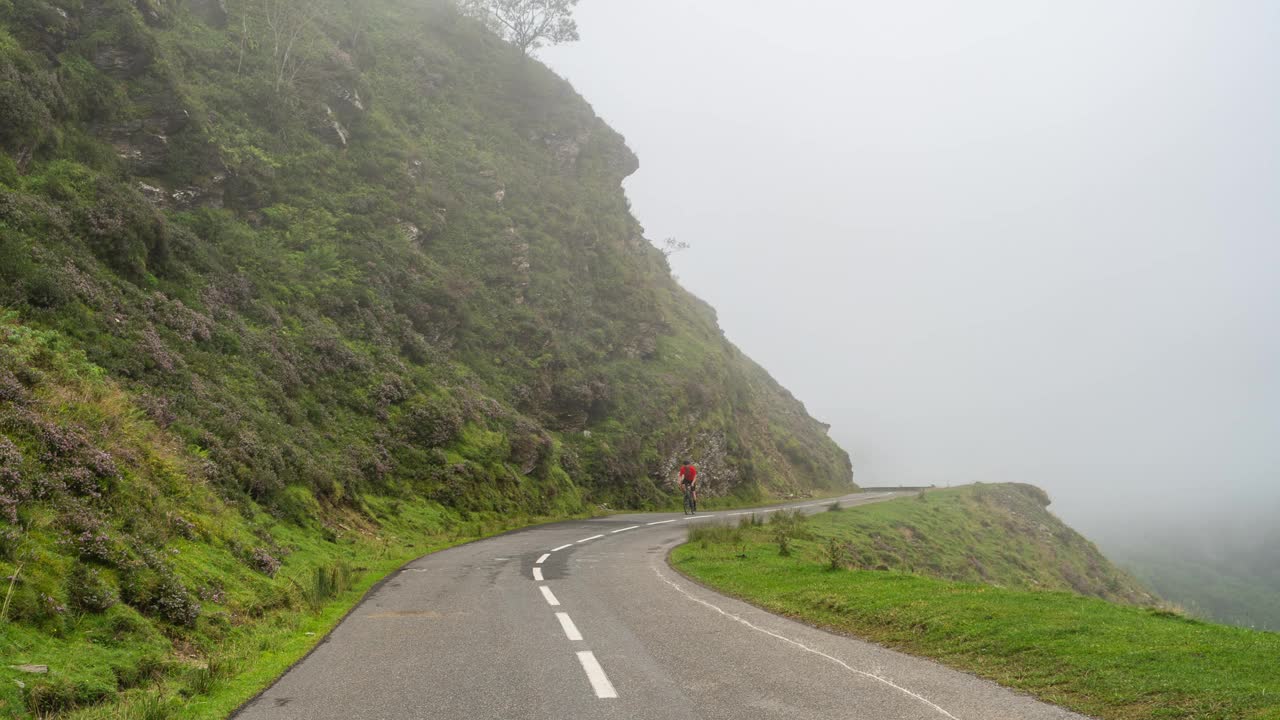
<point>1001,241</point>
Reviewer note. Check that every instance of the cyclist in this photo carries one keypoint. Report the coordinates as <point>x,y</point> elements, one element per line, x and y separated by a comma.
<point>689,484</point>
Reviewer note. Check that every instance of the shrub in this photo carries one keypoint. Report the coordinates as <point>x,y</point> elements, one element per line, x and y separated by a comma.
<point>781,537</point>
<point>792,520</point>
<point>435,424</point>
<point>125,232</point>
<point>161,594</point>
<point>29,99</point>
<point>88,592</point>
<point>836,553</point>
<point>264,562</point>
<point>12,490</point>
<point>11,391</point>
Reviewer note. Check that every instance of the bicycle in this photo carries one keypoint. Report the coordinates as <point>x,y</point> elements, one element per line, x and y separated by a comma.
<point>690,505</point>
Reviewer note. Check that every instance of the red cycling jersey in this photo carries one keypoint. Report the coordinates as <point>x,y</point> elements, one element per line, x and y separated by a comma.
<point>688,474</point>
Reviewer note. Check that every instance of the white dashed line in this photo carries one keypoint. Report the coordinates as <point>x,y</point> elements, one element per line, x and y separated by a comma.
<point>570,630</point>
<point>741,513</point>
<point>663,522</point>
<point>550,596</point>
<point>543,558</point>
<point>593,537</point>
<point>562,547</point>
<point>537,574</point>
<point>633,527</point>
<point>599,681</point>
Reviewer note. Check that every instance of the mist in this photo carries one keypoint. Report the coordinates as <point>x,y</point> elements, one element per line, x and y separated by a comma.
<point>997,241</point>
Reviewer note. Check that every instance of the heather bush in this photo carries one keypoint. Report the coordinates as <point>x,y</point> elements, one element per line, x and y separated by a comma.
<point>87,591</point>
<point>435,423</point>
<point>264,562</point>
<point>12,490</point>
<point>161,594</point>
<point>183,527</point>
<point>124,231</point>
<point>11,389</point>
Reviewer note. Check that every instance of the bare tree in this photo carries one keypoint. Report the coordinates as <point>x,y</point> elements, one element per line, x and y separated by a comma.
<point>291,33</point>
<point>527,24</point>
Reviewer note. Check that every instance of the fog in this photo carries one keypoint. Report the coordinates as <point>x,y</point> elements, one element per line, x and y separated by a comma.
<point>1014,241</point>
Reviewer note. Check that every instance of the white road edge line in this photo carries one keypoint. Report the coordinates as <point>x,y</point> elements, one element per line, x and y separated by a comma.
<point>550,596</point>
<point>562,547</point>
<point>663,522</point>
<point>803,647</point>
<point>741,513</point>
<point>593,537</point>
<point>633,527</point>
<point>537,574</point>
<point>570,630</point>
<point>543,558</point>
<point>599,681</point>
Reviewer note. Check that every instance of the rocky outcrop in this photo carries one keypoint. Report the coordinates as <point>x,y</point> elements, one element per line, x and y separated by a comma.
<point>333,131</point>
<point>144,143</point>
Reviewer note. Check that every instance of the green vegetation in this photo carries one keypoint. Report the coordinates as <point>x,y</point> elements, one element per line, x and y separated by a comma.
<point>1112,661</point>
<point>135,582</point>
<point>996,534</point>
<point>273,323</point>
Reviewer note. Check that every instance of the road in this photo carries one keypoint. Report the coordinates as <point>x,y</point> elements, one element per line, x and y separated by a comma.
<point>584,619</point>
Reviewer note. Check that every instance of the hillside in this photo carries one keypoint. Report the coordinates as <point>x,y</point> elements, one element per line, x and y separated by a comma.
<point>1000,535</point>
<point>996,534</point>
<point>985,580</point>
<point>292,291</point>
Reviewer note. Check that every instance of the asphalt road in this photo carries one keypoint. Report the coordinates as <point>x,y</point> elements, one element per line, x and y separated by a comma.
<point>584,619</point>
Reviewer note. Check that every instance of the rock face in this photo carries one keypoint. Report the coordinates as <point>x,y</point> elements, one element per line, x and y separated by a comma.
<point>120,62</point>
<point>334,132</point>
<point>144,143</point>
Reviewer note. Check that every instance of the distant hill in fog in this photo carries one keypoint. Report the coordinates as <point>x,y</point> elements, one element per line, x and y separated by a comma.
<point>1227,571</point>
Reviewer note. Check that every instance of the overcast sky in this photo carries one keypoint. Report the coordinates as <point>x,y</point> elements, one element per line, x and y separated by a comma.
<point>998,241</point>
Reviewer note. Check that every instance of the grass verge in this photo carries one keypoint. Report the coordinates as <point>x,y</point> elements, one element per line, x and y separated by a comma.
<point>1110,661</point>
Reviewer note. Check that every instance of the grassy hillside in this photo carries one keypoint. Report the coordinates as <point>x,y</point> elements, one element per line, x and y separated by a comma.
<point>135,581</point>
<point>995,534</point>
<point>276,316</point>
<point>1107,660</point>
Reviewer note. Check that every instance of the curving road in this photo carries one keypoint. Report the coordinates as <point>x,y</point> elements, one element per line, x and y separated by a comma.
<point>584,619</point>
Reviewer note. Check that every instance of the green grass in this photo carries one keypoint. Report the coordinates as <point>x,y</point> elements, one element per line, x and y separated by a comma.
<point>1112,661</point>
